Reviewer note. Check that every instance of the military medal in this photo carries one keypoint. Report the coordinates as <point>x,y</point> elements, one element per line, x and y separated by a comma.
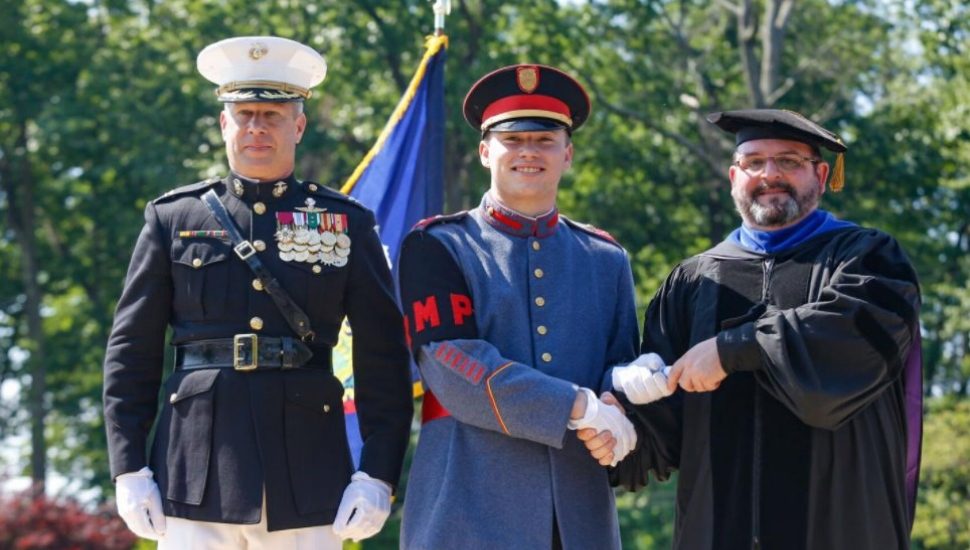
<point>312,235</point>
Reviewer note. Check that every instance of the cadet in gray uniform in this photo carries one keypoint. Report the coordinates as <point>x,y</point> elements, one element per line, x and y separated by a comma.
<point>514,313</point>
<point>250,449</point>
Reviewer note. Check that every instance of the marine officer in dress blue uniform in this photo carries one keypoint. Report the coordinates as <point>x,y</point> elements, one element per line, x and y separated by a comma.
<point>249,447</point>
<point>514,314</point>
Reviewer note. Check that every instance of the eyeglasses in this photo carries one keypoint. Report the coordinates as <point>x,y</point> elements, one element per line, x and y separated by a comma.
<point>756,164</point>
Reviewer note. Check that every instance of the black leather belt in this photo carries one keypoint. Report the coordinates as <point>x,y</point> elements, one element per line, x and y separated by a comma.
<point>244,352</point>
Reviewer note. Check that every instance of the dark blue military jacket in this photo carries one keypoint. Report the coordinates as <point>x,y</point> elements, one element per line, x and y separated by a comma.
<point>223,436</point>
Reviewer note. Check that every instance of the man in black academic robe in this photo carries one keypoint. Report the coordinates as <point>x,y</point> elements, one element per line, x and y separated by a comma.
<point>796,343</point>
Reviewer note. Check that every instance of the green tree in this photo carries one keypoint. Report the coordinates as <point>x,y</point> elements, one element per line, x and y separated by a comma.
<point>943,509</point>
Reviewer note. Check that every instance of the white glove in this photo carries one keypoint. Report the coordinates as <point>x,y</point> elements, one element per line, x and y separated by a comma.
<point>140,504</point>
<point>602,417</point>
<point>644,380</point>
<point>364,508</point>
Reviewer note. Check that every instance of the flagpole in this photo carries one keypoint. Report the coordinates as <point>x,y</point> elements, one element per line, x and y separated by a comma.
<point>441,9</point>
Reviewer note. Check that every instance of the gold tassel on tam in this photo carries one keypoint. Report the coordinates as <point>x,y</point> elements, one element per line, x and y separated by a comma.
<point>837,181</point>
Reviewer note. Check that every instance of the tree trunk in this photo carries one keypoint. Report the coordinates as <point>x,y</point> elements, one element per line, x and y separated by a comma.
<point>772,43</point>
<point>18,184</point>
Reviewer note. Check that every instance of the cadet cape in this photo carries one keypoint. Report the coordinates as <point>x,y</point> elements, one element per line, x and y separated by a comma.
<point>506,316</point>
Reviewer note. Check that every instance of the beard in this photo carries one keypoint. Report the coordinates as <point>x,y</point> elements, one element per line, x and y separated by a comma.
<point>780,209</point>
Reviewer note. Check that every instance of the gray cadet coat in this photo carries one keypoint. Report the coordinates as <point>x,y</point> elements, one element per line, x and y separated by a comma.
<point>506,315</point>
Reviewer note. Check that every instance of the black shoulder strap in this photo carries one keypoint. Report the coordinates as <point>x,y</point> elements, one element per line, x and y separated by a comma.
<point>294,316</point>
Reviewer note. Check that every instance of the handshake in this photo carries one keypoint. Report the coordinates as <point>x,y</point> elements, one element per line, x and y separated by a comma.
<point>604,428</point>
<point>643,381</point>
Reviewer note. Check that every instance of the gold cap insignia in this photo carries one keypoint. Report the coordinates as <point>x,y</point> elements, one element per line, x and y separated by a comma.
<point>258,50</point>
<point>527,78</point>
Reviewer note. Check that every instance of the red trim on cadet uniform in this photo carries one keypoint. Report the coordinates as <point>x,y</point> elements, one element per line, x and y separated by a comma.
<point>431,408</point>
<point>504,219</point>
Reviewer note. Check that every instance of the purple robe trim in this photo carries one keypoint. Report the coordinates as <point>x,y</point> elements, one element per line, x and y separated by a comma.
<point>913,385</point>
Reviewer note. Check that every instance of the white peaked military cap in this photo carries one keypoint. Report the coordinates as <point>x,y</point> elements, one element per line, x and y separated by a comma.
<point>261,68</point>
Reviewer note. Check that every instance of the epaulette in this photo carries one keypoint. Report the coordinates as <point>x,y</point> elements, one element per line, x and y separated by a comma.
<point>321,190</point>
<point>592,230</point>
<point>440,218</point>
<point>187,189</point>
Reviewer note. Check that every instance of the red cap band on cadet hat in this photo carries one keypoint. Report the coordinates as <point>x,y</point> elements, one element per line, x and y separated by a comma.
<point>526,106</point>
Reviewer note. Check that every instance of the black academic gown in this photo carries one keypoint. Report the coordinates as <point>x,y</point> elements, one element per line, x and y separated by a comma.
<point>804,444</point>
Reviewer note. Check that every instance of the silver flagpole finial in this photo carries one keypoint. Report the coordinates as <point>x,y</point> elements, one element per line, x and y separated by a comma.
<point>441,9</point>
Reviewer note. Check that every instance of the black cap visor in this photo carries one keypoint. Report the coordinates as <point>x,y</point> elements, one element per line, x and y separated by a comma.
<point>526,125</point>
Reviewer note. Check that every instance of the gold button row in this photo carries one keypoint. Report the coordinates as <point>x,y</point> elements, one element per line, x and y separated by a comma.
<point>547,357</point>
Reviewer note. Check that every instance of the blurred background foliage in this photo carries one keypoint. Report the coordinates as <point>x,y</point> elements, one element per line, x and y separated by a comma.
<point>101,110</point>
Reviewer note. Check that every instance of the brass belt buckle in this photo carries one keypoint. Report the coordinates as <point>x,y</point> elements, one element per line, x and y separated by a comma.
<point>245,352</point>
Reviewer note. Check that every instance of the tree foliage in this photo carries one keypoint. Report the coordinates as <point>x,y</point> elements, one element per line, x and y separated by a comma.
<point>101,109</point>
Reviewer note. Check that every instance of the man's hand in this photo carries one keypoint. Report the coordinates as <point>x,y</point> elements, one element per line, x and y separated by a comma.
<point>601,444</point>
<point>607,417</point>
<point>364,508</point>
<point>644,380</point>
<point>698,370</point>
<point>140,504</point>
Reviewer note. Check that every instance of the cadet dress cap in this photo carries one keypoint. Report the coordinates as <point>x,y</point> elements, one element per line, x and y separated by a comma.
<point>752,124</point>
<point>261,68</point>
<point>523,98</point>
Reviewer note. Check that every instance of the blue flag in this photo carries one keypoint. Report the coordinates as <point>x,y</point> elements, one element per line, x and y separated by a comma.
<point>402,177</point>
<point>402,180</point>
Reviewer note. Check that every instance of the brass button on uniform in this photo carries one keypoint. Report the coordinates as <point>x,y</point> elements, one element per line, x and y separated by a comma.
<point>312,187</point>
<point>326,408</point>
<point>173,398</point>
<point>317,269</point>
<point>259,245</point>
<point>541,329</point>
<point>540,301</point>
<point>547,357</point>
<point>197,263</point>
<point>256,323</point>
<point>257,284</point>
<point>536,245</point>
<point>259,208</point>
<point>538,273</point>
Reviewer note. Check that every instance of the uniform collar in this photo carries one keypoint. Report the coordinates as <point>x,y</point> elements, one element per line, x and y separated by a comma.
<point>513,223</point>
<point>252,190</point>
